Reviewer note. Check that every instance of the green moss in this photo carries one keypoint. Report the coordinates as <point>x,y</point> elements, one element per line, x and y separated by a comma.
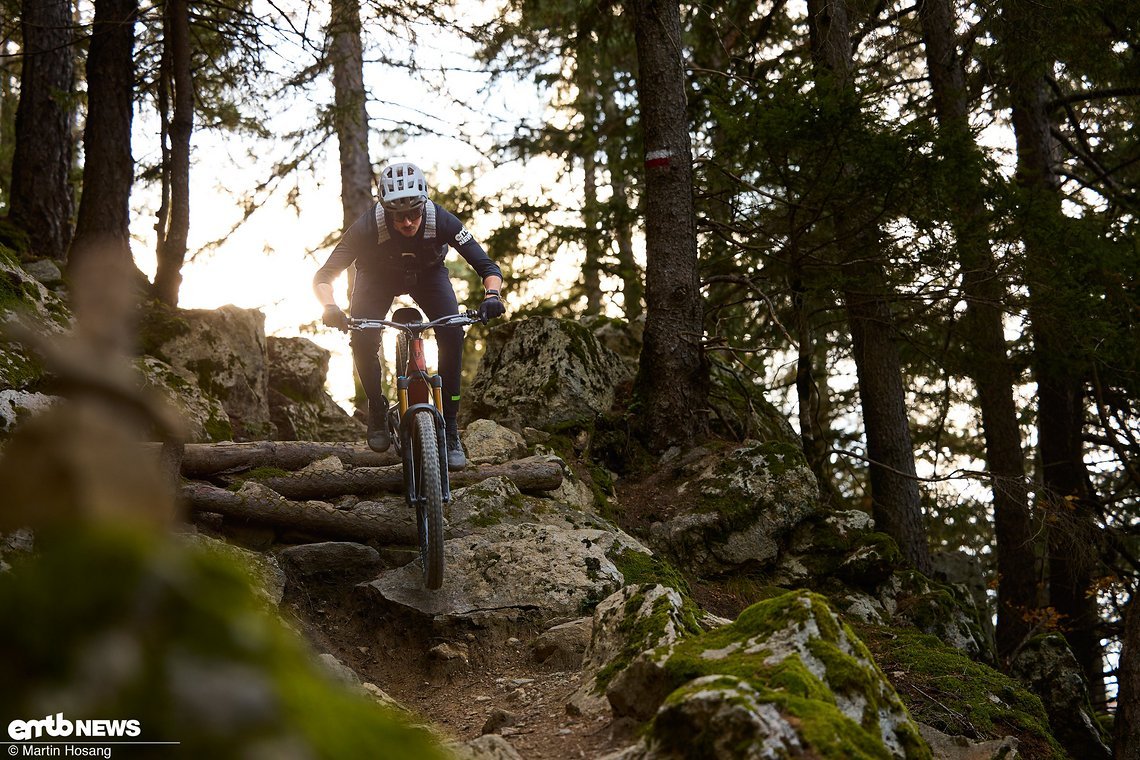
<point>158,325</point>
<point>219,428</point>
<point>829,732</point>
<point>720,494</point>
<point>944,688</point>
<point>175,610</point>
<point>738,650</point>
<point>639,632</point>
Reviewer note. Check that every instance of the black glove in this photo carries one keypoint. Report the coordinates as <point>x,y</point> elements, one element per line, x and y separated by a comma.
<point>492,307</point>
<point>335,317</point>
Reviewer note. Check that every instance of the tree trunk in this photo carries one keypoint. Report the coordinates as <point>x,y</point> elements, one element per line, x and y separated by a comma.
<point>621,216</point>
<point>672,383</point>
<point>895,498</point>
<point>586,79</point>
<point>103,228</point>
<point>350,114</point>
<point>1127,724</point>
<point>173,236</point>
<point>988,359</point>
<point>1058,366</point>
<point>41,197</point>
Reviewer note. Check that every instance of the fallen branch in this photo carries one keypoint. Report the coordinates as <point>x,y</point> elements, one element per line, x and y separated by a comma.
<point>202,460</point>
<point>264,508</point>
<point>528,475</point>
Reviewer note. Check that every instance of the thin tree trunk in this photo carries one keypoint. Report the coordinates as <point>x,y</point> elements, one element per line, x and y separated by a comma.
<point>621,216</point>
<point>1067,497</point>
<point>350,111</point>
<point>988,359</point>
<point>895,498</point>
<point>1127,725</point>
<point>586,79</point>
<point>41,197</point>
<point>673,380</point>
<point>172,238</point>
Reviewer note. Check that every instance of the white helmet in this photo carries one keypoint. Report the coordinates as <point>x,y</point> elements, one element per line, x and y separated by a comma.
<point>402,187</point>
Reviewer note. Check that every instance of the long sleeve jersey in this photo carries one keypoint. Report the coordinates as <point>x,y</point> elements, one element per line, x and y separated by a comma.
<point>379,251</point>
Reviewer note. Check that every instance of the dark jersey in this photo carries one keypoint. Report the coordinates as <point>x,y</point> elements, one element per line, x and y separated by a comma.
<point>380,251</point>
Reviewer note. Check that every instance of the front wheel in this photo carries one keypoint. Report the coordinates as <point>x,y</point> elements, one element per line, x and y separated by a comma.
<point>429,498</point>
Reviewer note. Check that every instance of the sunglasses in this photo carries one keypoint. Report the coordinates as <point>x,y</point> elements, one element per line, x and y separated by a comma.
<point>407,216</point>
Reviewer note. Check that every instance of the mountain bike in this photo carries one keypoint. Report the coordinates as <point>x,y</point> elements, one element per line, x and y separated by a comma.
<point>418,435</point>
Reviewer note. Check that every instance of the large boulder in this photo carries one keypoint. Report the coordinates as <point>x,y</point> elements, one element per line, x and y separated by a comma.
<point>633,620</point>
<point>544,373</point>
<point>203,415</point>
<point>225,350</point>
<point>786,672</point>
<point>552,572</point>
<point>23,298</point>
<point>299,405</point>
<point>737,509</point>
<point>1047,666</point>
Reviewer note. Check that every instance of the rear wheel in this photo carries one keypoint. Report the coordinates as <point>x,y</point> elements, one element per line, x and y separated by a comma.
<point>429,498</point>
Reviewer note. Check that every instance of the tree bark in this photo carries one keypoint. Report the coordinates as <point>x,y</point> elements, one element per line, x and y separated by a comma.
<point>988,358</point>
<point>41,196</point>
<point>103,228</point>
<point>350,112</point>
<point>1058,366</point>
<point>173,235</point>
<point>530,474</point>
<point>1127,725</point>
<point>867,296</point>
<point>621,216</point>
<point>673,379</point>
<point>203,460</point>
<point>325,520</point>
<point>586,79</point>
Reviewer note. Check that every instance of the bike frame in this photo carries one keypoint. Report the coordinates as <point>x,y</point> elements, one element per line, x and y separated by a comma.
<point>417,390</point>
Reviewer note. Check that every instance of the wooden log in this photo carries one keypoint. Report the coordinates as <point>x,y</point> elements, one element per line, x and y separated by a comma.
<point>529,475</point>
<point>264,508</point>
<point>200,460</point>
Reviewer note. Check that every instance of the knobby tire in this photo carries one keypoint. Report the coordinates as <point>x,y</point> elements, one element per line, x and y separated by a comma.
<point>429,493</point>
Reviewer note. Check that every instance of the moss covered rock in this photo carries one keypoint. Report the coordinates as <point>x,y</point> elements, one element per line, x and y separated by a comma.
<point>113,623</point>
<point>944,688</point>
<point>224,350</point>
<point>740,508</point>
<point>544,373</point>
<point>203,415</point>
<point>796,656</point>
<point>1047,666</point>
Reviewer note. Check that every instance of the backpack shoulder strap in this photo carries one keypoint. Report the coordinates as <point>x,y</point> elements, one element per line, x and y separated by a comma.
<point>429,221</point>
<point>382,234</point>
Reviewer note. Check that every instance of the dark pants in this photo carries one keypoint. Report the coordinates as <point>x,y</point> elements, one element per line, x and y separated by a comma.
<point>372,297</point>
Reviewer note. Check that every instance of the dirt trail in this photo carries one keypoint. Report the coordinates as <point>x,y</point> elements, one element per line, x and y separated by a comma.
<point>480,674</point>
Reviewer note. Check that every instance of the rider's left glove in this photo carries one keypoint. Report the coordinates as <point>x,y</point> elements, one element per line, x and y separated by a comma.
<point>335,317</point>
<point>492,307</point>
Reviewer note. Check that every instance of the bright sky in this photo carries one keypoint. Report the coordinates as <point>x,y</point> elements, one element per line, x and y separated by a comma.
<point>265,264</point>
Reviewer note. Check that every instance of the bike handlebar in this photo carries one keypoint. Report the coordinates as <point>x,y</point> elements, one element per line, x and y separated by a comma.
<point>469,317</point>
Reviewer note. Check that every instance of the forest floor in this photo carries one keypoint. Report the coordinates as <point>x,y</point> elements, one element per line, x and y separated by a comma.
<point>490,684</point>
<point>464,677</point>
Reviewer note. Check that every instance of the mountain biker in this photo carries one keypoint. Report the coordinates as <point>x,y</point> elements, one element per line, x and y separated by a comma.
<point>399,246</point>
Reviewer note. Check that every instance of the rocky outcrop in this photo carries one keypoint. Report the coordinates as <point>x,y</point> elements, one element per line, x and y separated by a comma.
<point>1047,666</point>
<point>299,406</point>
<point>224,350</point>
<point>552,572</point>
<point>786,672</point>
<point>544,373</point>
<point>739,506</point>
